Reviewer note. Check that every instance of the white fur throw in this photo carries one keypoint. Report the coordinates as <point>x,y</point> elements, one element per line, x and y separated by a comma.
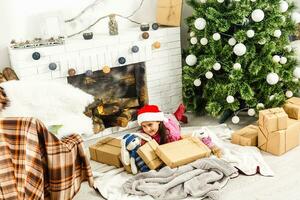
<point>54,103</point>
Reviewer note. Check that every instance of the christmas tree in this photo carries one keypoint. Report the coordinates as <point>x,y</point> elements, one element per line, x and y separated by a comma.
<point>239,56</point>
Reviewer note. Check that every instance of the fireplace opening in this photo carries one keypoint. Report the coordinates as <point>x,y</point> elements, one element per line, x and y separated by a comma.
<point>117,94</point>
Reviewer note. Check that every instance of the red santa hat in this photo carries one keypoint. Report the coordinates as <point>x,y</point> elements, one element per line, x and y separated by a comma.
<point>150,113</point>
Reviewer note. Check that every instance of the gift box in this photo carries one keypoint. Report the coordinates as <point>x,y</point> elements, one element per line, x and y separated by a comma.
<point>169,12</point>
<point>292,108</point>
<point>273,119</point>
<point>281,141</point>
<point>147,153</point>
<point>246,136</point>
<point>182,152</point>
<point>107,151</point>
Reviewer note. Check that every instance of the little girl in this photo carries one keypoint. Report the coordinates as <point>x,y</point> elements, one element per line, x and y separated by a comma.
<point>155,124</point>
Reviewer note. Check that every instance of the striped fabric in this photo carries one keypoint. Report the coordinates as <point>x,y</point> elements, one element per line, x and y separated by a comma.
<point>34,164</point>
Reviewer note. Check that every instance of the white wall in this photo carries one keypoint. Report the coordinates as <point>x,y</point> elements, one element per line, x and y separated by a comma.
<point>21,20</point>
<point>187,11</point>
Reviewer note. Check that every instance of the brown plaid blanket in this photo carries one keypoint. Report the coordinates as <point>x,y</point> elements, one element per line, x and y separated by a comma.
<point>34,164</point>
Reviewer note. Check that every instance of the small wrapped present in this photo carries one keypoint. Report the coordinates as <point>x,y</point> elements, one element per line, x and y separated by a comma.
<point>169,12</point>
<point>246,136</point>
<point>147,153</point>
<point>182,152</point>
<point>107,151</point>
<point>281,141</point>
<point>273,119</point>
<point>292,108</point>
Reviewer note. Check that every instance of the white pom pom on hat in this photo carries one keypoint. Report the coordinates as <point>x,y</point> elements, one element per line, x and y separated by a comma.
<point>150,113</point>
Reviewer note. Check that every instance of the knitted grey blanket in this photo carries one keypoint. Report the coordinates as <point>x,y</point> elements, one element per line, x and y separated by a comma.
<point>201,178</point>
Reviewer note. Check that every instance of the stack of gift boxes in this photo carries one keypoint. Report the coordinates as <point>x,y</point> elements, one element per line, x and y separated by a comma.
<point>173,154</point>
<point>277,131</point>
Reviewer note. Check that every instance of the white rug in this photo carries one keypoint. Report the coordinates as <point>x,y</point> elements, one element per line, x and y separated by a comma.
<point>110,179</point>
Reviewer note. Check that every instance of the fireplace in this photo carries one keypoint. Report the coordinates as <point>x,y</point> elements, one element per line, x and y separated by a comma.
<point>160,65</point>
<point>118,94</point>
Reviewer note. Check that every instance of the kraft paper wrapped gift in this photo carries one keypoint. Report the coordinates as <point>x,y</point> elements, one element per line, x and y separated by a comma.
<point>273,119</point>
<point>147,153</point>
<point>168,12</point>
<point>182,152</point>
<point>246,136</point>
<point>107,151</point>
<point>279,142</point>
<point>292,107</point>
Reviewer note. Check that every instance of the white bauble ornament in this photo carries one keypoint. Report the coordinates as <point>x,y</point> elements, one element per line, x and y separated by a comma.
<point>217,66</point>
<point>272,97</point>
<point>209,75</point>
<point>296,72</point>
<point>204,41</point>
<point>257,15</point>
<point>276,58</point>
<point>192,34</point>
<point>197,82</point>
<point>283,6</point>
<point>239,49</point>
<point>235,119</point>
<point>200,23</point>
<point>283,60</point>
<point>251,112</point>
<point>220,1</point>
<point>216,36</point>
<point>202,1</point>
<point>277,33</point>
<point>231,41</point>
<point>289,94</point>
<point>260,106</point>
<point>191,60</point>
<point>237,66</point>
<point>250,33</point>
<point>272,78</point>
<point>230,99</point>
<point>296,17</point>
<point>193,40</point>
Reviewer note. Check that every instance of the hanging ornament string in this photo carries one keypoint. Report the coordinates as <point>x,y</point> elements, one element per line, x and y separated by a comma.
<point>103,17</point>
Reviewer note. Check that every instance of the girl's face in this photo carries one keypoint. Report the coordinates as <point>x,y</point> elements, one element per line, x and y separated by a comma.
<point>150,128</point>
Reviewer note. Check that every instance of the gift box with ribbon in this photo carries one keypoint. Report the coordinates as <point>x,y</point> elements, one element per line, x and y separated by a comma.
<point>277,133</point>
<point>292,108</point>
<point>182,152</point>
<point>246,136</point>
<point>273,119</point>
<point>147,153</point>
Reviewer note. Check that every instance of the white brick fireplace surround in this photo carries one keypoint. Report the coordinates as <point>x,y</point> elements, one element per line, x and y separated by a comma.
<point>163,65</point>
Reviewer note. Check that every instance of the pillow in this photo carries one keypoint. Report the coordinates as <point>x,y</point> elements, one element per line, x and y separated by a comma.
<point>54,103</point>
